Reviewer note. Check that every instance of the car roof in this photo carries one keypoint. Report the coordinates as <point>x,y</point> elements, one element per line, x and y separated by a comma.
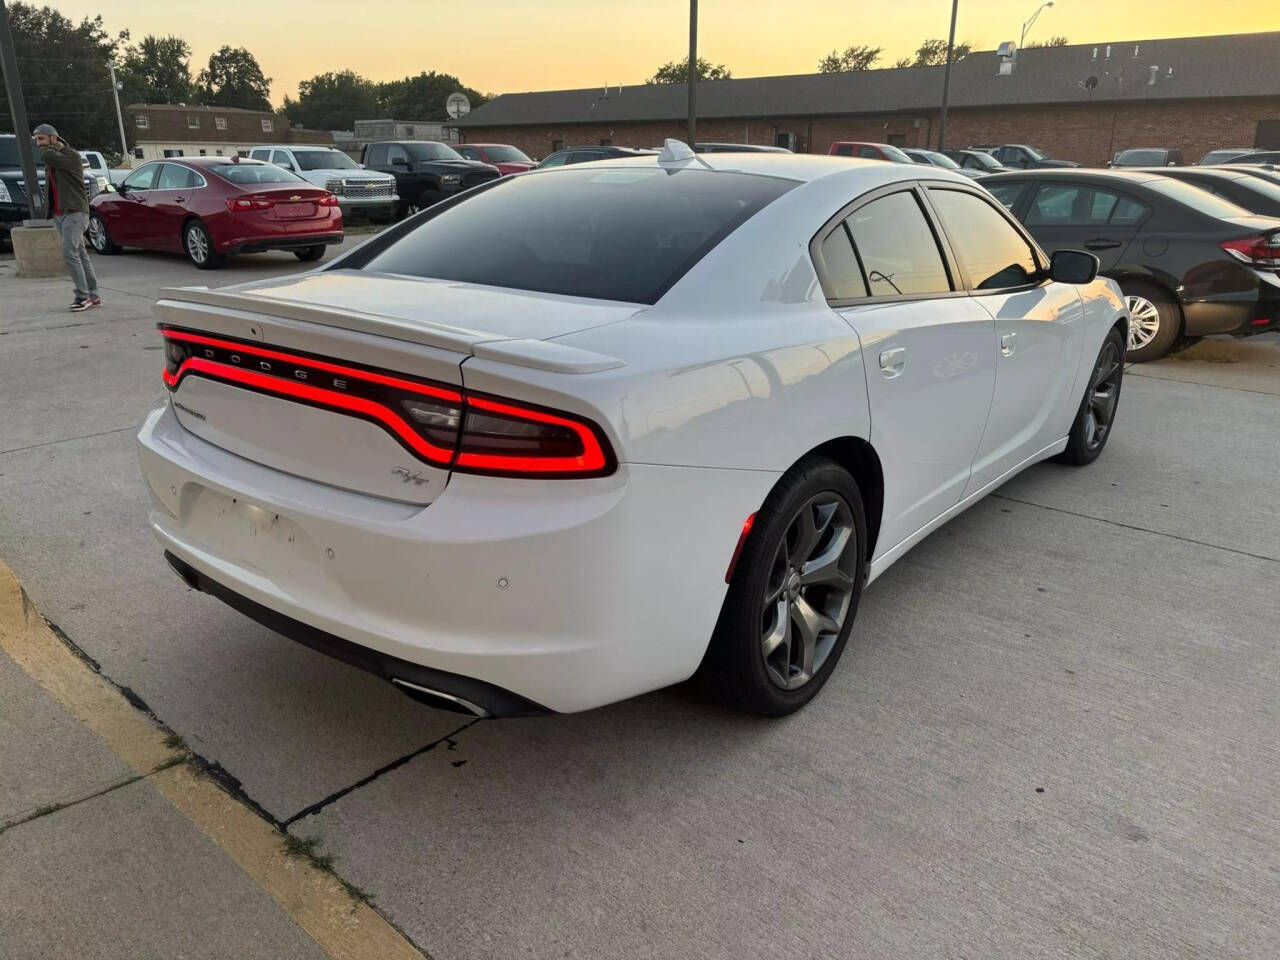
<point>402,142</point>
<point>1135,175</point>
<point>801,167</point>
<point>209,161</point>
<point>1214,171</point>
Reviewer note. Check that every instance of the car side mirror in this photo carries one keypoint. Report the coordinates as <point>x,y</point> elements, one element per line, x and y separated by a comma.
<point>1073,266</point>
<point>123,188</point>
<point>399,162</point>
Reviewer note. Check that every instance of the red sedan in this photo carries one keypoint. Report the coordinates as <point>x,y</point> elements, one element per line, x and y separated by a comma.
<point>209,207</point>
<point>506,158</point>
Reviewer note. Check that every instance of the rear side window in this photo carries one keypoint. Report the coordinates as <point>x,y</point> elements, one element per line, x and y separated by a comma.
<point>174,177</point>
<point>898,249</point>
<point>1007,193</point>
<point>870,153</point>
<point>844,150</point>
<point>260,154</point>
<point>377,155</point>
<point>843,275</point>
<point>1070,204</point>
<point>621,233</point>
<point>1129,211</point>
<point>993,253</point>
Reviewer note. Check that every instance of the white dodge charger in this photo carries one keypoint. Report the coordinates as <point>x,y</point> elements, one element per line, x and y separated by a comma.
<point>583,433</point>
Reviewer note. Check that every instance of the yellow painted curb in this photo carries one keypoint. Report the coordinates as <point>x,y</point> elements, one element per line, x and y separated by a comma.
<point>344,928</point>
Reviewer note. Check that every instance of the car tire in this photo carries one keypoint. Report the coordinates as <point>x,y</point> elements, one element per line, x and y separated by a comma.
<point>310,254</point>
<point>760,659</point>
<point>428,198</point>
<point>99,237</point>
<point>199,246</point>
<point>1097,414</point>
<point>1155,320</point>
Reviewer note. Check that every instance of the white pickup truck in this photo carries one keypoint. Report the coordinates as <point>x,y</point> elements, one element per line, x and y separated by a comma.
<point>96,165</point>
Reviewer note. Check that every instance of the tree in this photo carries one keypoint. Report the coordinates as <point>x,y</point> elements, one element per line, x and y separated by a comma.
<point>678,72</point>
<point>933,53</point>
<point>156,70</point>
<point>234,79</point>
<point>1054,41</point>
<point>902,62</point>
<point>333,101</point>
<point>65,80</point>
<point>422,97</point>
<point>854,58</point>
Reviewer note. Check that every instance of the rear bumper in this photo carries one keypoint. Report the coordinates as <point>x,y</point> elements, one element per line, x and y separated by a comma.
<point>1240,313</point>
<point>512,594</point>
<point>301,242</point>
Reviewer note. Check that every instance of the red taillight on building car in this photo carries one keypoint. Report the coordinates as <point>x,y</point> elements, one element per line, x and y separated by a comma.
<point>438,423</point>
<point>1262,252</point>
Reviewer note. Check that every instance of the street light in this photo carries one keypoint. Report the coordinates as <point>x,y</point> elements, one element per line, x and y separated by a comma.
<point>1032,19</point>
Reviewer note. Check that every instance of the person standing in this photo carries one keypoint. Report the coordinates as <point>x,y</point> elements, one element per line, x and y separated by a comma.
<point>68,204</point>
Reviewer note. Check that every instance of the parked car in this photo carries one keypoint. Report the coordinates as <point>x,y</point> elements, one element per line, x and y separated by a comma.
<point>933,158</point>
<point>976,160</point>
<point>1190,263</point>
<point>1148,157</point>
<point>1268,173</point>
<point>1224,155</point>
<point>1021,156</point>
<point>507,159</point>
<point>425,171</point>
<point>360,192</point>
<point>210,207</point>
<point>868,151</point>
<point>614,382</point>
<point>571,155</point>
<point>1260,157</point>
<point>737,148</point>
<point>1252,193</point>
<point>15,204</point>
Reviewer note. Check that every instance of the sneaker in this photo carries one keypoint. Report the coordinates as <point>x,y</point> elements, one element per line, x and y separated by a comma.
<point>77,305</point>
<point>94,300</point>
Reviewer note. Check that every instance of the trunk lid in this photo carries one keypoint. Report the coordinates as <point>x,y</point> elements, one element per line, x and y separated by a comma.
<point>355,379</point>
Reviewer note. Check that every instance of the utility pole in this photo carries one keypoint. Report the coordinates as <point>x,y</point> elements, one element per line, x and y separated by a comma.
<point>115,95</point>
<point>693,72</point>
<point>946,77</point>
<point>18,109</point>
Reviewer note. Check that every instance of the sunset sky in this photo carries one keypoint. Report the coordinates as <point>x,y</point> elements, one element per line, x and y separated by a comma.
<point>502,46</point>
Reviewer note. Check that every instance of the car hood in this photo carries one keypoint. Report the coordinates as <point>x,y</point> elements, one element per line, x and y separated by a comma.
<point>1056,163</point>
<point>338,174</point>
<point>461,166</point>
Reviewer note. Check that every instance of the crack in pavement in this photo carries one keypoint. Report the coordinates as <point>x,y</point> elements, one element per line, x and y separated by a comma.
<point>51,808</point>
<point>1201,383</point>
<point>50,443</point>
<point>1131,526</point>
<point>365,781</point>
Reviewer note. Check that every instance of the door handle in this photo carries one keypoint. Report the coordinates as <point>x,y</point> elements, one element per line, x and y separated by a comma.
<point>1102,243</point>
<point>892,362</point>
<point>1008,344</point>
<point>179,199</point>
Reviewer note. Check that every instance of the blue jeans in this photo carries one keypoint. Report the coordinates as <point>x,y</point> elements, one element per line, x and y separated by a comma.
<point>72,227</point>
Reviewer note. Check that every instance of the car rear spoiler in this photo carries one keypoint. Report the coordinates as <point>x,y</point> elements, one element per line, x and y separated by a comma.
<point>180,306</point>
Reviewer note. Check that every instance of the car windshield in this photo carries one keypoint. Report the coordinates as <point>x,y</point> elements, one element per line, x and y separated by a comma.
<point>612,234</point>
<point>247,174</point>
<point>1142,158</point>
<point>939,159</point>
<point>1036,154</point>
<point>430,150</point>
<point>1217,156</point>
<point>505,155</point>
<point>1197,198</point>
<point>9,152</point>
<point>324,160</point>
<point>983,159</point>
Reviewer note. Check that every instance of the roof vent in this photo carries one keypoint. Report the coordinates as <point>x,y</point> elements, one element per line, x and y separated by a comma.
<point>1108,53</point>
<point>1008,55</point>
<point>1095,53</point>
<point>1155,75</point>
<point>1135,49</point>
<point>675,151</point>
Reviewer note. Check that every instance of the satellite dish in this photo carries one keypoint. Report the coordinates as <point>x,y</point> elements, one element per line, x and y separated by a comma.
<point>457,105</point>
<point>1090,82</point>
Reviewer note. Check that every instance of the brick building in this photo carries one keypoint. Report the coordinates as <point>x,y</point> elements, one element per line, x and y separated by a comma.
<point>1082,102</point>
<point>178,130</point>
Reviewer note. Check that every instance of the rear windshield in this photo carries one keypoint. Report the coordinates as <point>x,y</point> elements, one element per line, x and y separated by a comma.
<point>505,155</point>
<point>893,153</point>
<point>324,160</point>
<point>1142,158</point>
<point>939,159</point>
<point>614,234</point>
<point>430,150</point>
<point>1196,198</point>
<point>248,174</point>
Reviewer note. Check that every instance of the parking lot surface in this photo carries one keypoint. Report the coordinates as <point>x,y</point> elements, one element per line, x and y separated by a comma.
<point>1052,733</point>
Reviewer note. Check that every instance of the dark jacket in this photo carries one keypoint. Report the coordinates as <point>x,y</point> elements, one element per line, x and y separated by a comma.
<point>64,173</point>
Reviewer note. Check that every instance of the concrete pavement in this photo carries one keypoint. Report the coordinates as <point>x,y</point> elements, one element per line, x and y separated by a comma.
<point>1052,734</point>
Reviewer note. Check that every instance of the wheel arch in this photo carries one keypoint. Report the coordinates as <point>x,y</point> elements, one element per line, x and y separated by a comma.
<point>861,460</point>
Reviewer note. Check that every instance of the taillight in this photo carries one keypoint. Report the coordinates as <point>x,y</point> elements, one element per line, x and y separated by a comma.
<point>437,423</point>
<point>1261,251</point>
<point>328,200</point>
<point>238,204</point>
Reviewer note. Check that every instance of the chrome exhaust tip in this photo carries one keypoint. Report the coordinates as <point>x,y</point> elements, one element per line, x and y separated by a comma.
<point>438,698</point>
